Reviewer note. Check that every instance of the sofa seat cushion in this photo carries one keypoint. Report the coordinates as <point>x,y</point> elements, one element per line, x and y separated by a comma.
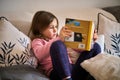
<point>21,72</point>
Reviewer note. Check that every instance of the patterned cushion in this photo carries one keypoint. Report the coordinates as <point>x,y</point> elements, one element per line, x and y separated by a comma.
<point>111,30</point>
<point>14,45</point>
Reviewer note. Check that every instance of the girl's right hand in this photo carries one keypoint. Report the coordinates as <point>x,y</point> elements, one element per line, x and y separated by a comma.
<point>65,32</point>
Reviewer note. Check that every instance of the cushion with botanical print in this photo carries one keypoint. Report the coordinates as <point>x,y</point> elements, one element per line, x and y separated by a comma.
<point>111,31</point>
<point>14,45</point>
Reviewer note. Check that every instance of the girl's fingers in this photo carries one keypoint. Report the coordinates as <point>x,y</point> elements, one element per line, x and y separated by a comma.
<point>95,31</point>
<point>95,36</point>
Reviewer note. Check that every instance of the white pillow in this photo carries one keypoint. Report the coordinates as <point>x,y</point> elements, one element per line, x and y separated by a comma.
<point>100,41</point>
<point>111,31</point>
<point>14,45</point>
<point>103,67</point>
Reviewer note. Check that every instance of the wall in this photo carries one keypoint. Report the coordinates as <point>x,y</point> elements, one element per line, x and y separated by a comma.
<point>20,12</point>
<point>22,5</point>
<point>55,6</point>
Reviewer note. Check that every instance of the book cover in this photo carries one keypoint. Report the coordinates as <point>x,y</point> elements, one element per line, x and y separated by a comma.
<point>82,34</point>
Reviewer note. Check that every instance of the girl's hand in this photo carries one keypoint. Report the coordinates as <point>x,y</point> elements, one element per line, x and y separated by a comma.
<point>95,36</point>
<point>65,32</point>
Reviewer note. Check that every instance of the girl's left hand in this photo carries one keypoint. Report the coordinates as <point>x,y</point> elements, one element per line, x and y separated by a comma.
<point>95,35</point>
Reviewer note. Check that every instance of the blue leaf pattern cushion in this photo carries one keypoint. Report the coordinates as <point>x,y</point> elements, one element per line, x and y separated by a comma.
<point>14,46</point>
<point>111,30</point>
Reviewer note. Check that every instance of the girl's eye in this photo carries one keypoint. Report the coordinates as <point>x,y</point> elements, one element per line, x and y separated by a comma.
<point>52,27</point>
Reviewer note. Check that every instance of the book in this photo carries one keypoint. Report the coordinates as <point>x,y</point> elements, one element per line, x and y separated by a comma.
<point>82,34</point>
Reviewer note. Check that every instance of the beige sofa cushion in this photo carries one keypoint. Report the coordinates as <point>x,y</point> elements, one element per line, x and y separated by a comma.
<point>103,67</point>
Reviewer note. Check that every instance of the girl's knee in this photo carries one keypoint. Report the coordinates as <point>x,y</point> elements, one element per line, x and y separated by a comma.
<point>58,46</point>
<point>57,43</point>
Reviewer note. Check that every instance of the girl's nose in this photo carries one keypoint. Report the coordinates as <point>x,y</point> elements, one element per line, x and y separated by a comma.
<point>55,29</point>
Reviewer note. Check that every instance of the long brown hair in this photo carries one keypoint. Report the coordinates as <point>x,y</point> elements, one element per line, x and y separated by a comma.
<point>40,22</point>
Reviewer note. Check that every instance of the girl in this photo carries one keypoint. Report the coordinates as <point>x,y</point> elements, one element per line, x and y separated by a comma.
<point>50,51</point>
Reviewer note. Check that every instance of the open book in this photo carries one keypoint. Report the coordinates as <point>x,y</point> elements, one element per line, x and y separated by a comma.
<point>82,34</point>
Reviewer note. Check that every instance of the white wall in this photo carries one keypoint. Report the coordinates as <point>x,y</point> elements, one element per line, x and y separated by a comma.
<point>20,12</point>
<point>32,5</point>
<point>58,7</point>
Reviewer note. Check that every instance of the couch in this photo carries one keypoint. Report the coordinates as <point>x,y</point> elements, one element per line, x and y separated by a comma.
<point>17,61</point>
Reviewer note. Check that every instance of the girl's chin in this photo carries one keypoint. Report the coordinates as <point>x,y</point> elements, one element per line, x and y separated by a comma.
<point>54,37</point>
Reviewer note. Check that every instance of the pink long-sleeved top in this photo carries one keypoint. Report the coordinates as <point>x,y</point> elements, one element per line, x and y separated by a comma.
<point>41,50</point>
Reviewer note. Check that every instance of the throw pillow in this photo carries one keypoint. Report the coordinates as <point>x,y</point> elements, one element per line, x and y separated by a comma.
<point>111,31</point>
<point>103,67</point>
<point>14,45</point>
